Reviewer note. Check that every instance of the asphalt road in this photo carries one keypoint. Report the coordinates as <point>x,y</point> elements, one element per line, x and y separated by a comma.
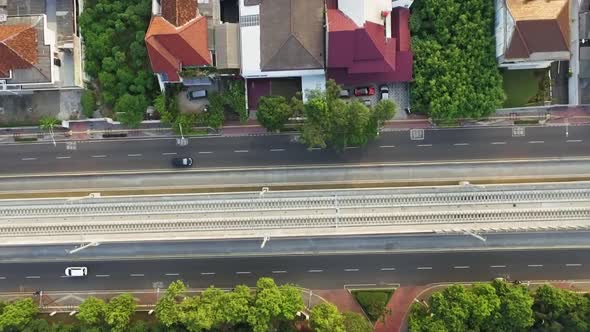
<point>308,271</point>
<point>282,150</point>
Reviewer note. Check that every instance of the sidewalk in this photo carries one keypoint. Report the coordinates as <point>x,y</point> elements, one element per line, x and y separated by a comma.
<point>93,129</point>
<point>399,304</point>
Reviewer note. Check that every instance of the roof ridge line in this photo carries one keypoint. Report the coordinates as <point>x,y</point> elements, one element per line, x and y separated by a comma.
<point>14,51</point>
<point>303,46</point>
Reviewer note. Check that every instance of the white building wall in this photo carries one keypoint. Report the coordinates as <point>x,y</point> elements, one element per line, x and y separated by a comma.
<point>354,9</point>
<point>373,9</point>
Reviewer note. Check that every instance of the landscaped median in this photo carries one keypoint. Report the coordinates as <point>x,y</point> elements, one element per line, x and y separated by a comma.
<point>267,307</point>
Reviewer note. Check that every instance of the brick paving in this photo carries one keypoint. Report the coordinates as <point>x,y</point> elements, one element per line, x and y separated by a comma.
<point>399,304</point>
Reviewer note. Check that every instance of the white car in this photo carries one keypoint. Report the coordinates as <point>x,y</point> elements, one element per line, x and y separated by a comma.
<point>76,271</point>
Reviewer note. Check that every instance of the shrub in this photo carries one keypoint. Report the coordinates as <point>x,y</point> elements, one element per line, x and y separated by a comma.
<point>373,302</point>
<point>88,102</point>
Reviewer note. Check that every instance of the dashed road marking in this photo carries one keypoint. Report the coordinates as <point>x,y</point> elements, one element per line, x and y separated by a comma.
<point>573,264</point>
<point>498,143</point>
<point>277,150</point>
<point>33,277</point>
<point>315,271</point>
<point>169,153</point>
<point>424,145</point>
<point>350,147</point>
<point>497,266</point>
<point>424,268</point>
<point>351,270</point>
<point>102,275</point>
<point>536,142</point>
<point>461,267</point>
<point>461,144</point>
<point>172,274</point>
<point>2,278</point>
<point>63,157</point>
<point>388,269</point>
<point>207,273</point>
<point>535,265</point>
<point>279,271</point>
<point>29,159</point>
<point>205,152</point>
<point>136,275</point>
<point>387,146</point>
<point>241,151</point>
<point>134,155</point>
<point>99,156</point>
<point>574,141</point>
<point>243,272</point>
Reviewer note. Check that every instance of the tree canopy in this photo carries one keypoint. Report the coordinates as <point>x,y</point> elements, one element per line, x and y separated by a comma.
<point>455,70</point>
<point>115,53</point>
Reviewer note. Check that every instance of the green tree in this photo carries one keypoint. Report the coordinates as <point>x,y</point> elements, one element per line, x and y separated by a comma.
<point>37,325</point>
<point>560,310</point>
<point>455,70</point>
<point>18,314</point>
<point>168,309</point>
<point>119,312</point>
<point>325,317</point>
<point>273,112</point>
<point>236,99</point>
<point>88,103</point>
<point>214,116</point>
<point>354,322</point>
<point>237,305</point>
<point>47,122</point>
<point>267,305</point>
<point>92,311</point>
<point>131,110</point>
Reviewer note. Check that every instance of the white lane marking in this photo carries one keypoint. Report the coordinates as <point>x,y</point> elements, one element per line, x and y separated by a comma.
<point>99,156</point>
<point>314,149</point>
<point>388,269</point>
<point>315,271</point>
<point>498,143</point>
<point>536,142</point>
<point>350,147</point>
<point>277,150</point>
<point>573,264</point>
<point>134,155</point>
<point>205,152</point>
<point>241,151</point>
<point>351,270</point>
<point>169,154</point>
<point>424,268</point>
<point>386,146</point>
<point>207,273</point>
<point>102,275</point>
<point>172,274</point>
<point>279,271</point>
<point>424,145</point>
<point>243,272</point>
<point>63,157</point>
<point>535,265</point>
<point>33,277</point>
<point>461,267</point>
<point>29,159</point>
<point>460,144</point>
<point>573,141</point>
<point>497,266</point>
<point>136,275</point>
<point>2,278</point>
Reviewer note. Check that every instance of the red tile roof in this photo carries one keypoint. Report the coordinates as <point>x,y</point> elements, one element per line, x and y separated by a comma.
<point>179,12</point>
<point>170,48</point>
<point>18,47</point>
<point>363,54</point>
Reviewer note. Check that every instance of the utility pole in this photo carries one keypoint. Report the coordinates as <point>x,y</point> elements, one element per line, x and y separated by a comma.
<point>264,240</point>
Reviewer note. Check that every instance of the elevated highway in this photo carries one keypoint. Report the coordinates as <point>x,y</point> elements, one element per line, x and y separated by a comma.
<point>464,209</point>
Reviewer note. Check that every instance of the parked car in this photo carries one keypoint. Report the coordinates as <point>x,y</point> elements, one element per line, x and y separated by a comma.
<point>364,91</point>
<point>344,93</point>
<point>76,271</point>
<point>182,162</point>
<point>196,94</point>
<point>384,91</point>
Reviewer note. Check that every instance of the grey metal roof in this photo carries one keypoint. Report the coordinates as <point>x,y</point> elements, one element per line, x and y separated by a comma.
<point>291,34</point>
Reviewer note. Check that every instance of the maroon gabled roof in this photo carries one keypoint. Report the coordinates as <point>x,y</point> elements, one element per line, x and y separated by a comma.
<point>363,54</point>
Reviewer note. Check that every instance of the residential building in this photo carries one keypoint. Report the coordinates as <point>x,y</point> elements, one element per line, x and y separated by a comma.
<point>532,33</point>
<point>177,39</point>
<point>281,45</point>
<point>39,46</point>
<point>368,42</point>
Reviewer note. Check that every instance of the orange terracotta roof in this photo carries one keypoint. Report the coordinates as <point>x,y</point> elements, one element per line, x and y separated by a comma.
<point>179,12</point>
<point>18,47</point>
<point>170,48</point>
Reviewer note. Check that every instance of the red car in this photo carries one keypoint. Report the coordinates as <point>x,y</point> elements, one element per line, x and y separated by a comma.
<point>364,91</point>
